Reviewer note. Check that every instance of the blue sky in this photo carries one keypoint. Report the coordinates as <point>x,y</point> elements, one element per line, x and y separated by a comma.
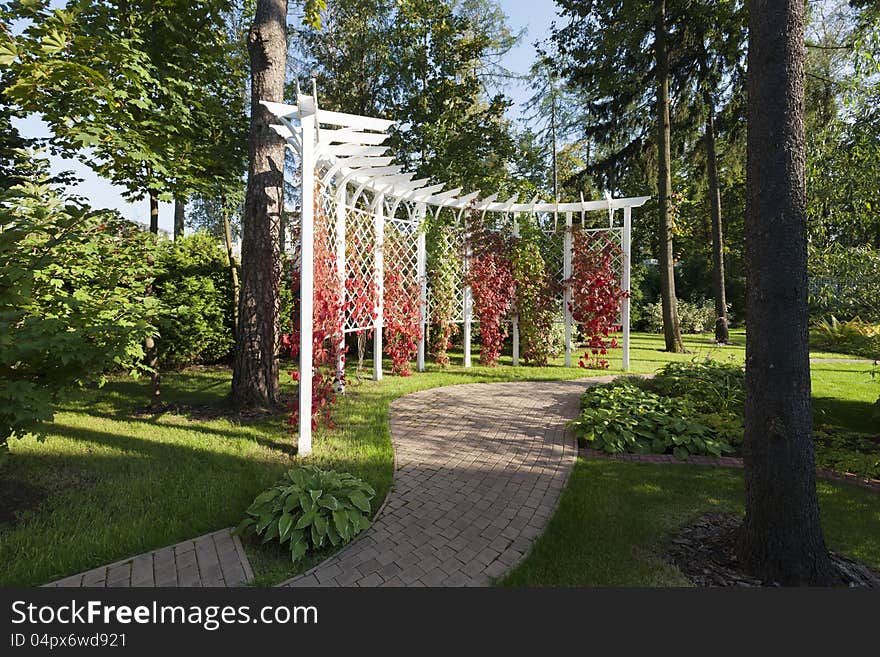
<point>533,15</point>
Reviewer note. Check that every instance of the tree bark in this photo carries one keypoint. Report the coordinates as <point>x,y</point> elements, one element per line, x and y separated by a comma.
<point>722,334</point>
<point>151,357</point>
<point>154,212</point>
<point>781,539</point>
<point>179,216</point>
<point>233,269</point>
<point>671,329</point>
<point>255,367</point>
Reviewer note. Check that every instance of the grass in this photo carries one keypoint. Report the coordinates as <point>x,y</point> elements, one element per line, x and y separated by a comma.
<point>119,484</point>
<point>615,520</point>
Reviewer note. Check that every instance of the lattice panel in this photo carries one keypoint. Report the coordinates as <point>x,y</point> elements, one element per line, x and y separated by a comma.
<point>450,248</point>
<point>401,247</point>
<point>552,246</point>
<point>601,236</point>
<point>360,269</point>
<point>613,235</point>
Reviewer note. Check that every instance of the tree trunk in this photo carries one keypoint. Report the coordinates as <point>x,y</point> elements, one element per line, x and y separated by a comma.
<point>671,329</point>
<point>255,367</point>
<point>722,335</point>
<point>179,215</point>
<point>154,212</point>
<point>781,539</point>
<point>151,357</point>
<point>233,269</point>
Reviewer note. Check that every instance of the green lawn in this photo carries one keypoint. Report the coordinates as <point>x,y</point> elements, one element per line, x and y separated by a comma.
<point>615,520</point>
<point>118,484</point>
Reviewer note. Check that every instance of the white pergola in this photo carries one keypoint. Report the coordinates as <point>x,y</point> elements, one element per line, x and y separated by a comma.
<point>342,157</point>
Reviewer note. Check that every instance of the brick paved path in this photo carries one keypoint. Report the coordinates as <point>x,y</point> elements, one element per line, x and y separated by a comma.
<point>479,469</point>
<point>216,559</point>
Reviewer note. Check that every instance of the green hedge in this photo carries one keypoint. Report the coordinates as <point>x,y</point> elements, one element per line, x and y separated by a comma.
<point>195,288</point>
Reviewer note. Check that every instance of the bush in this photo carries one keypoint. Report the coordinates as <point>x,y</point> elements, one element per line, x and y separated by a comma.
<point>625,417</point>
<point>310,508</point>
<point>842,450</point>
<point>845,282</point>
<point>696,317</point>
<point>712,387</point>
<point>195,289</point>
<point>73,301</point>
<point>853,337</point>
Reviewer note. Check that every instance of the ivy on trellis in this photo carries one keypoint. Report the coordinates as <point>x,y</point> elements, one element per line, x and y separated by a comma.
<point>596,295</point>
<point>402,321</point>
<point>490,277</point>
<point>444,291</point>
<point>328,338</point>
<point>535,296</point>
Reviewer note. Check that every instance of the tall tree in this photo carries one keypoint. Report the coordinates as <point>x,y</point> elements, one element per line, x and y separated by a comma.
<point>619,55</point>
<point>255,368</point>
<point>671,330</point>
<point>781,539</point>
<point>722,334</point>
<point>719,46</point>
<point>179,217</point>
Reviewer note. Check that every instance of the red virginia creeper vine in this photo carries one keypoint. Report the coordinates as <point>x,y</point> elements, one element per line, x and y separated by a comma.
<point>595,296</point>
<point>490,276</point>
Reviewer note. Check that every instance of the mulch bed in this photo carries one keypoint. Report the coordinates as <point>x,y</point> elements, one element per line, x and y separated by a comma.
<point>201,412</point>
<point>705,553</point>
<point>17,496</point>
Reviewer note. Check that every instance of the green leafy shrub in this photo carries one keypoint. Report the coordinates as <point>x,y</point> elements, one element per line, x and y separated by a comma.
<point>195,289</point>
<point>853,337</point>
<point>696,317</point>
<point>711,386</point>
<point>843,450</point>
<point>625,417</point>
<point>844,282</point>
<point>73,301</point>
<point>310,508</point>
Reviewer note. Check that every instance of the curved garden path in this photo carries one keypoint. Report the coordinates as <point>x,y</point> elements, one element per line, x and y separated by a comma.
<point>478,472</point>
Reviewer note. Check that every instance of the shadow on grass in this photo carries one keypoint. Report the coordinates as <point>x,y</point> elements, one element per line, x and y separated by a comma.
<point>857,415</point>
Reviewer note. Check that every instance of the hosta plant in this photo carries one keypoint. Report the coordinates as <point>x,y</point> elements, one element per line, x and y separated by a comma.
<point>624,417</point>
<point>309,509</point>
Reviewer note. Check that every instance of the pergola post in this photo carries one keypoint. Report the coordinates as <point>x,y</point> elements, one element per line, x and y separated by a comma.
<point>624,311</point>
<point>566,295</point>
<point>515,319</point>
<point>379,272</point>
<point>422,257</point>
<point>467,305</point>
<point>307,284</point>
<point>339,340</point>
